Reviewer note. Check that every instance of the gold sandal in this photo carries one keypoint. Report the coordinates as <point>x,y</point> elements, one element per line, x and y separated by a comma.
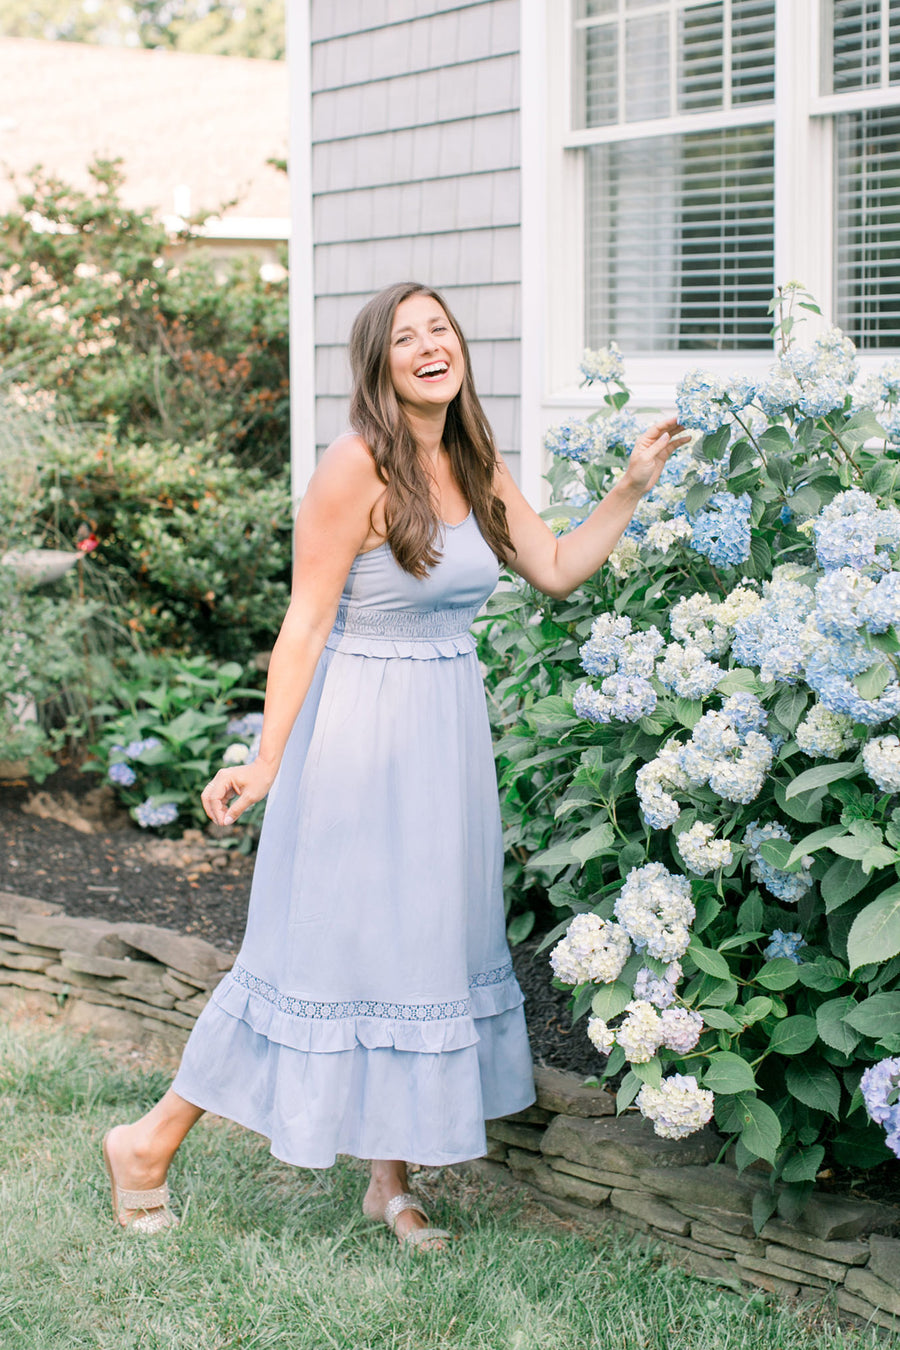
<point>416,1236</point>
<point>150,1212</point>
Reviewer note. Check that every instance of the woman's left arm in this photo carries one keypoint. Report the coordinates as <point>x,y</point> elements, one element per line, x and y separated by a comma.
<point>557,565</point>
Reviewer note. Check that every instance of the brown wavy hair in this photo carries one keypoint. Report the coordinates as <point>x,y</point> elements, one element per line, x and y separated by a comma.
<point>376,415</point>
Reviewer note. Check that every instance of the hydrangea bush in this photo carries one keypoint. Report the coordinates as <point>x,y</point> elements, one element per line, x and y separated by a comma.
<point>169,725</point>
<point>698,757</point>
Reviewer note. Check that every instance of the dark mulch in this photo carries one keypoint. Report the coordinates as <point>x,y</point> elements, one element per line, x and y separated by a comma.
<point>120,872</point>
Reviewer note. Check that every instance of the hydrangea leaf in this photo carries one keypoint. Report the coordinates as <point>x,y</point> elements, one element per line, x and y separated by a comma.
<point>710,962</point>
<point>780,973</point>
<point>794,1035</point>
<point>760,1127</point>
<point>804,1165</point>
<point>843,880</point>
<point>755,1009</point>
<point>862,427</point>
<point>816,1085</point>
<point>597,840</point>
<point>877,1016</point>
<point>518,928</point>
<point>776,441</point>
<point>743,455</point>
<point>554,858</point>
<point>728,1073</point>
<point>720,1019</point>
<point>861,1148</point>
<point>778,853</point>
<point>650,1073</point>
<point>872,683</point>
<point>815,841</point>
<point>628,1090</point>
<point>825,974</point>
<point>805,808</point>
<point>821,776</point>
<point>611,999</point>
<point>832,1024</point>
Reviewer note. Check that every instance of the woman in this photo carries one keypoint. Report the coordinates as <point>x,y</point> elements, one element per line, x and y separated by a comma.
<point>372,1009</point>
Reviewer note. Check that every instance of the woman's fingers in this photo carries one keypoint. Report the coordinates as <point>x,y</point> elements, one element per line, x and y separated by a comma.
<point>217,795</point>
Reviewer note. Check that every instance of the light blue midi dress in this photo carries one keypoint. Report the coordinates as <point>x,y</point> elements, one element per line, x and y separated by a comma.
<point>372,1009</point>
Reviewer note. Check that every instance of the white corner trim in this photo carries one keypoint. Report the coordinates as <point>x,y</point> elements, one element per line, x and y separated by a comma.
<point>303,402</point>
<point>533,145</point>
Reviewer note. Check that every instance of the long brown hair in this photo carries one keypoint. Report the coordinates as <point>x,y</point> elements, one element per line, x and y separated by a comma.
<point>377,416</point>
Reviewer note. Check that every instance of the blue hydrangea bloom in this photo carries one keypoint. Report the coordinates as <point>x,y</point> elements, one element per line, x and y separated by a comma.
<point>744,712</point>
<point>123,775</point>
<point>701,399</point>
<point>149,815</point>
<point>574,439</point>
<point>721,532</point>
<point>247,725</point>
<point>879,1087</point>
<point>785,944</point>
<point>136,748</point>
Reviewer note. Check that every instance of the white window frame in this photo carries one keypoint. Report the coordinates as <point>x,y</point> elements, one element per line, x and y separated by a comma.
<point>553,208</point>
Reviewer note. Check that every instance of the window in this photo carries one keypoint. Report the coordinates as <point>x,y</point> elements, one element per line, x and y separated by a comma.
<point>673,111</point>
<point>860,88</point>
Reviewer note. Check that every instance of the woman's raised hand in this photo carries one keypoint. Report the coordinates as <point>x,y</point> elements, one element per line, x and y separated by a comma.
<point>232,790</point>
<point>651,450</point>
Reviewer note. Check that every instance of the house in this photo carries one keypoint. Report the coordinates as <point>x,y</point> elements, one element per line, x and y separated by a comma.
<point>574,171</point>
<point>194,132</point>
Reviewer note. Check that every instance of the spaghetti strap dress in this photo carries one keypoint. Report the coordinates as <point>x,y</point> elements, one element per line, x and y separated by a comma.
<point>372,1009</point>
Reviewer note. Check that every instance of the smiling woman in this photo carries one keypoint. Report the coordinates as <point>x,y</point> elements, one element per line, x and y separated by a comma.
<point>373,1009</point>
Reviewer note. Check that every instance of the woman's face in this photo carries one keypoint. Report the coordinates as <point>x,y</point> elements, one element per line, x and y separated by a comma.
<point>426,360</point>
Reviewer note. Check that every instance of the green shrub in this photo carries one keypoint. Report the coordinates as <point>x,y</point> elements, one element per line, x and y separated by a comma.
<point>98,314</point>
<point>199,544</point>
<point>726,798</point>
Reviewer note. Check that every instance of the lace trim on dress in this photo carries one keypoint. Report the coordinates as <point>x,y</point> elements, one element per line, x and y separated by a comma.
<point>398,1012</point>
<point>412,625</point>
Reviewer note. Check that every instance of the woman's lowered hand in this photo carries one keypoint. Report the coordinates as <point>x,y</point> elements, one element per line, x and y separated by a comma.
<point>235,788</point>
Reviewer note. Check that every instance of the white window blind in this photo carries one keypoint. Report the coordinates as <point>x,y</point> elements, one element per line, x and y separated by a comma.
<point>680,241</point>
<point>867,244</point>
<point>638,60</point>
<point>865,45</point>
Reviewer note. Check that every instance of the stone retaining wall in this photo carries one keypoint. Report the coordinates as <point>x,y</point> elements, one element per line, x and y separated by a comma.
<point>128,980</point>
<point>582,1161</point>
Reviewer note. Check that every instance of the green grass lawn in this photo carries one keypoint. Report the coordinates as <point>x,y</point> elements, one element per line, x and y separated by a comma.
<point>272,1256</point>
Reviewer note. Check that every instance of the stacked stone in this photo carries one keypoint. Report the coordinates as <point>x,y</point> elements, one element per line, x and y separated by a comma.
<point>154,979</point>
<point>582,1161</point>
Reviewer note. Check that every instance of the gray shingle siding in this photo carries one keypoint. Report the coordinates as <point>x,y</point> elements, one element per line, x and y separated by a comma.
<point>415,169</point>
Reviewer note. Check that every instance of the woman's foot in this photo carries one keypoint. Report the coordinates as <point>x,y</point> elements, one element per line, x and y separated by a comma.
<point>136,1172</point>
<point>385,1184</point>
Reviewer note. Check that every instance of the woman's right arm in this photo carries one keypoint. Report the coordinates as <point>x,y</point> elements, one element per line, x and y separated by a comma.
<point>332,524</point>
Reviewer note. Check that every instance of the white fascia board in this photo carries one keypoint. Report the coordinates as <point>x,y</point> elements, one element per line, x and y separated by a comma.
<point>302,299</point>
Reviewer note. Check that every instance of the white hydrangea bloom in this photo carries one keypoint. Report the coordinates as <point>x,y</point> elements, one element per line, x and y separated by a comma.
<point>738,604</point>
<point>702,853</point>
<point>662,534</point>
<point>640,1033</point>
<point>659,992</point>
<point>681,1029</point>
<point>695,620</point>
<point>236,754</point>
<point>625,558</point>
<point>881,757</point>
<point>678,1107</point>
<point>655,908</point>
<point>592,949</point>
<point>687,672</point>
<point>824,734</point>
<point>656,781</point>
<point>600,1035</point>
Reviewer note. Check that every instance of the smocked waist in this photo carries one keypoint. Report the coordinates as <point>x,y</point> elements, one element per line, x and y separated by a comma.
<point>401,632</point>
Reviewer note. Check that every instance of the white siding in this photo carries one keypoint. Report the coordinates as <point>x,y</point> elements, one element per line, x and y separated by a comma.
<point>415,176</point>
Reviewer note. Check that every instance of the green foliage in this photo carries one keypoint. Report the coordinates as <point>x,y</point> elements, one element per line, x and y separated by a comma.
<point>199,543</point>
<point>45,671</point>
<point>99,315</point>
<point>165,726</point>
<point>784,1039</point>
<point>221,27</point>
